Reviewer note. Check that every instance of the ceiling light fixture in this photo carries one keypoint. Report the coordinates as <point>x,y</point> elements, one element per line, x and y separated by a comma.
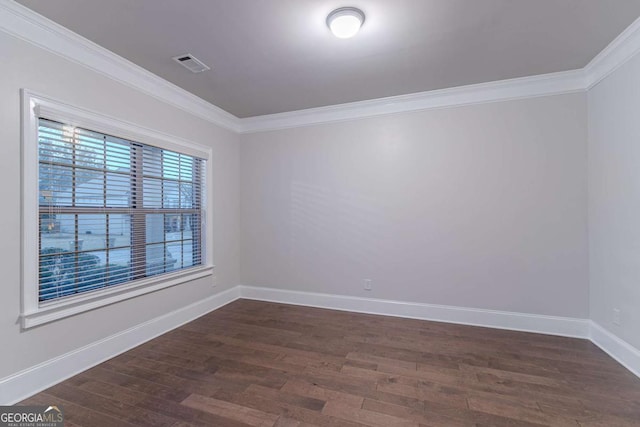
<point>345,22</point>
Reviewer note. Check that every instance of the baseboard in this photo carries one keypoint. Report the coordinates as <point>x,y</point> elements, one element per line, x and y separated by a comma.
<point>626,354</point>
<point>623,352</point>
<point>551,325</point>
<point>37,378</point>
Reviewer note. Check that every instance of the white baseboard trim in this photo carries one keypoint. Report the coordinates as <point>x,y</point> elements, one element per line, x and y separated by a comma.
<point>623,352</point>
<point>626,354</point>
<point>26,383</point>
<point>551,325</point>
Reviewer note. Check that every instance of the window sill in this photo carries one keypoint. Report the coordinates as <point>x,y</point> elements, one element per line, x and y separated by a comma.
<point>50,311</point>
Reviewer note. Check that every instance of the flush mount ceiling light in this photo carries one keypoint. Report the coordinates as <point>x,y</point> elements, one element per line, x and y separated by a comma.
<point>345,22</point>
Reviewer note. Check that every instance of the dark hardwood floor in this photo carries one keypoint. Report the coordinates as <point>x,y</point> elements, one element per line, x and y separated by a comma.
<point>264,364</point>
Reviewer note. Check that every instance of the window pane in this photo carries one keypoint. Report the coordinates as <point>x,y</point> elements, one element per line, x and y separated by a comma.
<point>118,155</point>
<point>57,233</point>
<point>55,184</point>
<point>119,266</point>
<point>170,165</point>
<point>186,168</point>
<point>173,226</point>
<point>89,188</point>
<point>92,231</point>
<point>152,189</point>
<point>188,259</point>
<point>186,195</point>
<point>171,195</point>
<point>57,275</point>
<point>191,226</point>
<point>152,162</point>
<point>91,272</point>
<point>158,259</point>
<point>175,249</point>
<point>54,147</point>
<point>155,228</point>
<point>89,149</point>
<point>119,230</point>
<point>118,190</point>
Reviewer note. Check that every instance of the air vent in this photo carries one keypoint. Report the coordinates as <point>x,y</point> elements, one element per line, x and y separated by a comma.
<point>191,63</point>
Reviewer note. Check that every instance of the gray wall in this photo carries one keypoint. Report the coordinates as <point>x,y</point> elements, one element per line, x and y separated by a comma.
<point>480,206</point>
<point>26,66</point>
<point>614,201</point>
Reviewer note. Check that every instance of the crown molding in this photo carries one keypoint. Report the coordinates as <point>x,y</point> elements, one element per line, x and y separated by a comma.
<point>503,90</point>
<point>617,53</point>
<point>27,25</point>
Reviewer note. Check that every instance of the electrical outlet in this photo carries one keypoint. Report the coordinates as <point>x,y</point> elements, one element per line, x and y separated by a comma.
<point>214,281</point>
<point>616,316</point>
<point>367,284</point>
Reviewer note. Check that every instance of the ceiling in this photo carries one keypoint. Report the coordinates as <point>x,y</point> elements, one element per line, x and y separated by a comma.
<point>272,56</point>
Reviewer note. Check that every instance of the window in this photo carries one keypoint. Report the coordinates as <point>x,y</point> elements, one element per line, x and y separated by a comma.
<point>120,211</point>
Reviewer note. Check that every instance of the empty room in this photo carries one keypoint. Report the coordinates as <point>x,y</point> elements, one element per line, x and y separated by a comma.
<point>320,213</point>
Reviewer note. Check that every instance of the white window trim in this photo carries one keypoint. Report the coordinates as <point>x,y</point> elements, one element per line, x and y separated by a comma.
<point>34,313</point>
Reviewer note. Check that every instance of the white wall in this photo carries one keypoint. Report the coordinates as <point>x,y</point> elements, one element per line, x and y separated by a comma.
<point>614,201</point>
<point>26,66</point>
<point>480,206</point>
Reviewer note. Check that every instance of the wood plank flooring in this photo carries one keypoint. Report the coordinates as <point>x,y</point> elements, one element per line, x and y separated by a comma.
<point>262,364</point>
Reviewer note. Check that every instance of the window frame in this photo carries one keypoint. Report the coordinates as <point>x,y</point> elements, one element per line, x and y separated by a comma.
<point>34,312</point>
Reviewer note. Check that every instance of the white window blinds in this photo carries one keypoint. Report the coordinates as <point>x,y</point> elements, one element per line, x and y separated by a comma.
<point>112,211</point>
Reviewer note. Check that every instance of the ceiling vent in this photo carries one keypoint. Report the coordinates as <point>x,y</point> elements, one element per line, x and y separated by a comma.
<point>191,63</point>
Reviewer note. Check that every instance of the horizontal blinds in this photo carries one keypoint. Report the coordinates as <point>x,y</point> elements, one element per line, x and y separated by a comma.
<point>113,211</point>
